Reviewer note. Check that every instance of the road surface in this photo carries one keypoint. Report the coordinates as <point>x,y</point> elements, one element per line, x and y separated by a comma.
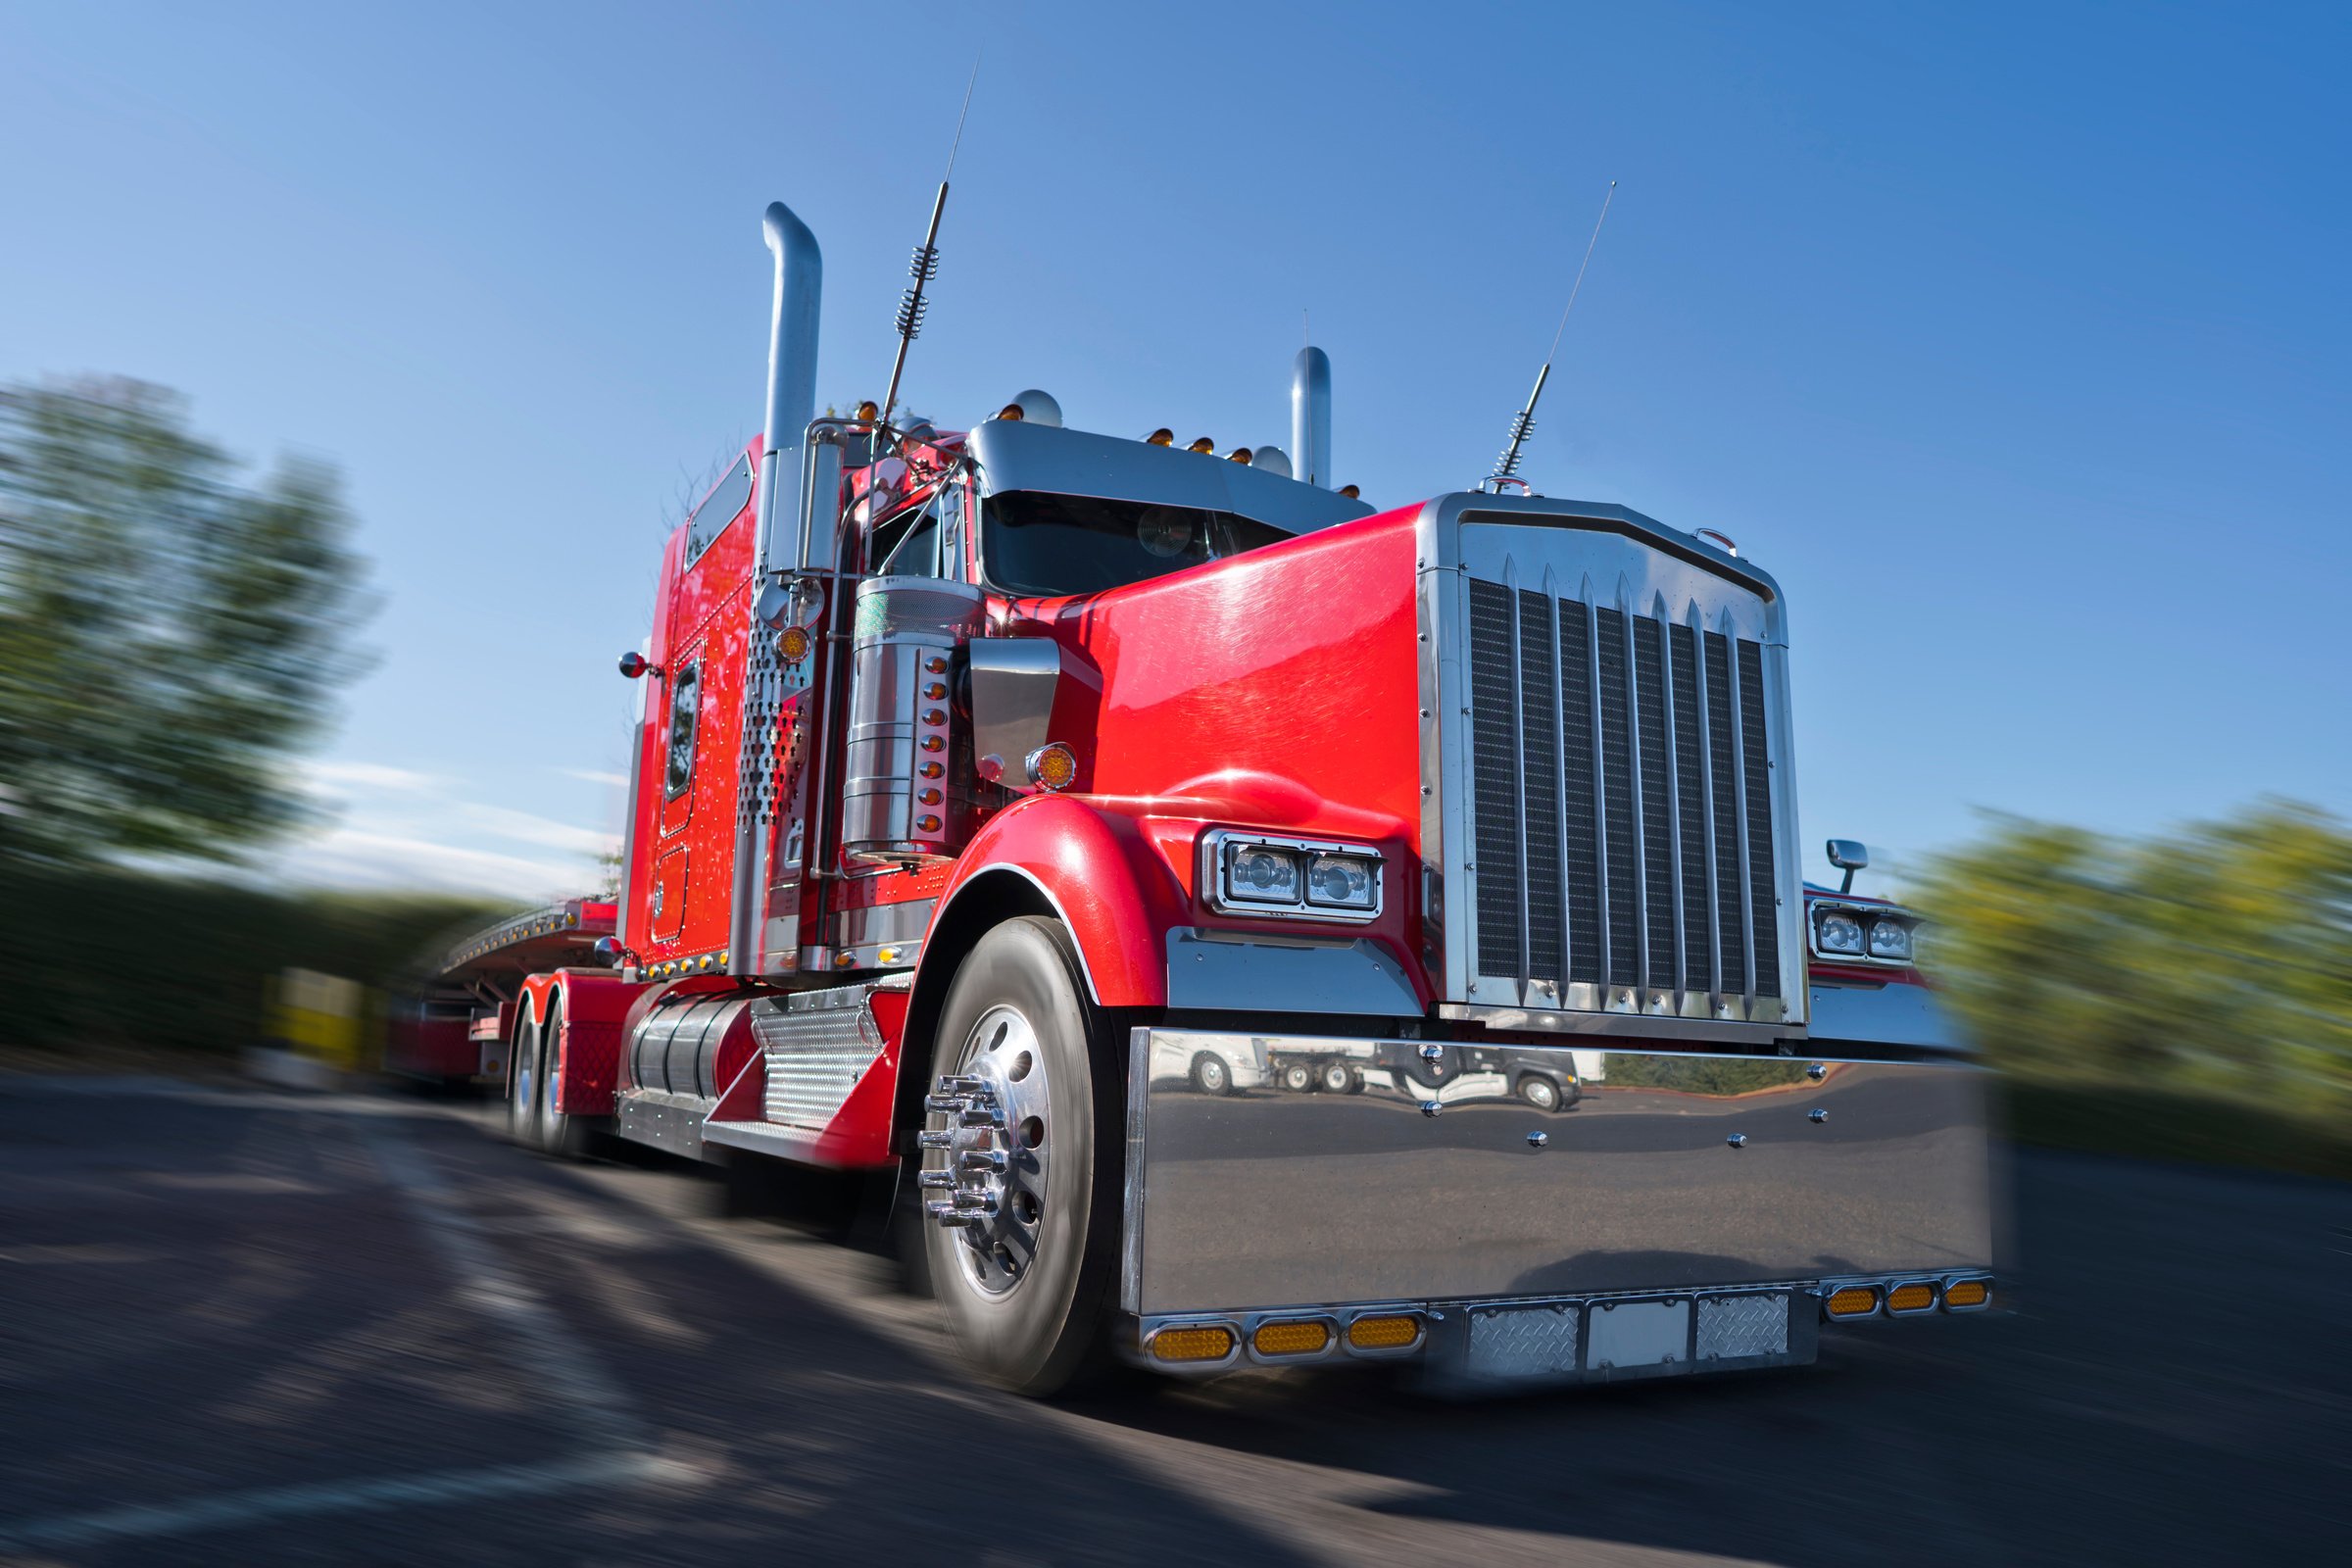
<point>243,1326</point>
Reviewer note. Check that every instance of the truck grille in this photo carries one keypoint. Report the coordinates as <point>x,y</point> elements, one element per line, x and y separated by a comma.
<point>1622,812</point>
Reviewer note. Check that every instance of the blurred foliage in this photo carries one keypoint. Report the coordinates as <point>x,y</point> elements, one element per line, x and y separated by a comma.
<point>125,957</point>
<point>2214,961</point>
<point>170,637</point>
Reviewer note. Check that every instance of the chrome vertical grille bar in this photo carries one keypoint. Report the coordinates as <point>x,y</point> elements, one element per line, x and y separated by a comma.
<point>1518,697</point>
<point>1580,797</point>
<point>1613,782</point>
<point>1725,817</point>
<point>1654,816</point>
<point>1763,888</point>
<point>1741,817</point>
<point>1538,776</point>
<point>1703,707</point>
<point>1687,721</point>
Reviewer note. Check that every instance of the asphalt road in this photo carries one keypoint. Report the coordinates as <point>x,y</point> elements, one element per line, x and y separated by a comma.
<point>247,1327</point>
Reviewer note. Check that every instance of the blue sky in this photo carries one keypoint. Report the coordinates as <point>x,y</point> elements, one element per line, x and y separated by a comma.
<point>2012,339</point>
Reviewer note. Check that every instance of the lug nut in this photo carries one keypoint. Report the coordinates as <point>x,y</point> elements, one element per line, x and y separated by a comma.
<point>984,1159</point>
<point>981,1117</point>
<point>945,1104</point>
<point>936,1178</point>
<point>939,1140</point>
<point>949,1215</point>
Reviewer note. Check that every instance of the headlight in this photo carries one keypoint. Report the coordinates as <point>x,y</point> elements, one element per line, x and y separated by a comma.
<point>1263,875</point>
<point>1343,882</point>
<point>1836,931</point>
<point>1890,938</point>
<point>1301,878</point>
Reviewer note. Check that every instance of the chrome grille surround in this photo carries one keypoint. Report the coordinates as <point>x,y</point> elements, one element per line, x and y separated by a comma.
<point>1609,828</point>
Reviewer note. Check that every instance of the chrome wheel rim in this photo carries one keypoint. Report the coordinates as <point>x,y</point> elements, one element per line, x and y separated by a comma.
<point>997,1155</point>
<point>1212,1074</point>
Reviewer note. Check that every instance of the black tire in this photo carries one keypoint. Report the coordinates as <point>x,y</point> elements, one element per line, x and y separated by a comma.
<point>1337,1078</point>
<point>565,1137</point>
<point>1046,1326</point>
<point>1541,1092</point>
<point>1212,1074</point>
<point>523,1077</point>
<point>1297,1077</point>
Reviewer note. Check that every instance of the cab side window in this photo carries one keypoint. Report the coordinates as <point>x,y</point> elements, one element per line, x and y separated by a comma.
<point>685,692</point>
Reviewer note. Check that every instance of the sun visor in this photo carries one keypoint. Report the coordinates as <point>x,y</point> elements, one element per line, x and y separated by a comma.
<point>1015,455</point>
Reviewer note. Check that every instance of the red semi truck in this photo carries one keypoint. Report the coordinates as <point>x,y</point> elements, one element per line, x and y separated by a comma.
<point>1005,803</point>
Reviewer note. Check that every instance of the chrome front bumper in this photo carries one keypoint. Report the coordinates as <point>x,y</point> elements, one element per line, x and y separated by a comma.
<point>1666,1212</point>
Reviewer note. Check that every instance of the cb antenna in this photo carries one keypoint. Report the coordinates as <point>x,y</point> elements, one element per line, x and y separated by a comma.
<point>926,266</point>
<point>1523,423</point>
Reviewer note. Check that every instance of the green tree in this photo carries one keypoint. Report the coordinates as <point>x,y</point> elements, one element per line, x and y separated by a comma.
<point>170,637</point>
<point>2217,958</point>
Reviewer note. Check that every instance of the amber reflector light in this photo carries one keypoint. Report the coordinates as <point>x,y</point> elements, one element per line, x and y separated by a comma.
<point>1910,1298</point>
<point>1211,1344</point>
<point>1290,1339</point>
<point>1384,1333</point>
<point>792,643</point>
<point>1054,766</point>
<point>1968,1292</point>
<point>1853,1301</point>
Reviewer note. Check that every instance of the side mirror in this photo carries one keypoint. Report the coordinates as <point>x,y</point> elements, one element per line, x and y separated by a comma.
<point>1848,856</point>
<point>634,664</point>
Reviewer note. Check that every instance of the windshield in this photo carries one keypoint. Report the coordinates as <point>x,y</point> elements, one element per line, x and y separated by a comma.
<point>1051,546</point>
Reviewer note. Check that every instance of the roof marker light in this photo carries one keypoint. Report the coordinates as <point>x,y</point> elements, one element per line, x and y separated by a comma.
<point>1205,444</point>
<point>1240,454</point>
<point>1161,437</point>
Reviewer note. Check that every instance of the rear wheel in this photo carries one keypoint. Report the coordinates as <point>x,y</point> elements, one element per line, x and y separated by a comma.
<point>1297,1077</point>
<point>522,1076</point>
<point>559,1134</point>
<point>1339,1079</point>
<point>1022,1188</point>
<point>1540,1091</point>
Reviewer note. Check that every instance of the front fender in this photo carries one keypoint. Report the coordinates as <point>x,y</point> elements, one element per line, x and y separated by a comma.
<point>1110,882</point>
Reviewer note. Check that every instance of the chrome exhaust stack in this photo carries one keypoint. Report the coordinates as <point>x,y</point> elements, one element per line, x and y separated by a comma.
<point>1310,417</point>
<point>775,544</point>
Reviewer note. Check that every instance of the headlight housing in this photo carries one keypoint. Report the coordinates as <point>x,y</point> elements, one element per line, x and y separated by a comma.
<point>1868,934</point>
<point>1309,879</point>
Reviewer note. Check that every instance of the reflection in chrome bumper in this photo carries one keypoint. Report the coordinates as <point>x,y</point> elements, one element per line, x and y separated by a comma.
<point>1442,1182</point>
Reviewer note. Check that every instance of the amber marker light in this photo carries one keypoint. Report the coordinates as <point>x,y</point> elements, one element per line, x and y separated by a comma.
<point>1204,444</point>
<point>870,410</point>
<point>1053,766</point>
<point>1907,1299</point>
<point>1966,1295</point>
<point>1012,411</point>
<point>1351,492</point>
<point>1210,1343</point>
<point>1852,1300</point>
<point>1290,1339</point>
<point>793,644</point>
<point>1240,455</point>
<point>1390,1331</point>
<point>1161,437</point>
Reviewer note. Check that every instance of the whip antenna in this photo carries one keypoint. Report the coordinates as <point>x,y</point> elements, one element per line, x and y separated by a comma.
<point>1523,423</point>
<point>926,266</point>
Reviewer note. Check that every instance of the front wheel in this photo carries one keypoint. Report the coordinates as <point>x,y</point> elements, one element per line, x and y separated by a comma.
<point>1211,1075</point>
<point>1021,1178</point>
<point>1540,1091</point>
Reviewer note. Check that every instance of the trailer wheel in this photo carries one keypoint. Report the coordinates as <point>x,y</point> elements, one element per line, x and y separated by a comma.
<point>559,1135</point>
<point>1022,1212</point>
<point>523,1077</point>
<point>1339,1079</point>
